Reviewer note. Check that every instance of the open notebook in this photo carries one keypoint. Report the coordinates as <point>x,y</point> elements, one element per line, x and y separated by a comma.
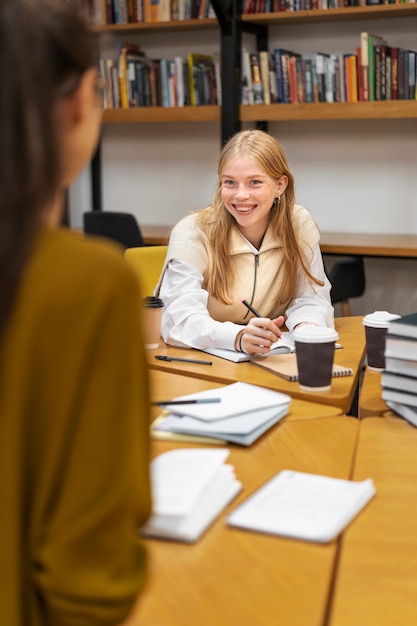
<point>284,345</point>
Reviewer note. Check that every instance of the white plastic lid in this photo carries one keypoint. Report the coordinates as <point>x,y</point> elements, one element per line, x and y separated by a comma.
<point>379,319</point>
<point>315,334</point>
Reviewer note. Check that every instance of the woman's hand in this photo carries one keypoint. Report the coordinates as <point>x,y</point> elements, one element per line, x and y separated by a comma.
<point>259,335</point>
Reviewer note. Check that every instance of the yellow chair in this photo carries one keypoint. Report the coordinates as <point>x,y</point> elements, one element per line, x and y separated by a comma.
<point>148,262</point>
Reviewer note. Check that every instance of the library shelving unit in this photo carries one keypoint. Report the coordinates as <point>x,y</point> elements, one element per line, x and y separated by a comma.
<point>228,114</point>
<point>231,114</point>
<point>387,109</point>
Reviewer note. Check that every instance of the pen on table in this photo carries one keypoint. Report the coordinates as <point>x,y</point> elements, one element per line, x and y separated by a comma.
<point>250,307</point>
<point>161,357</point>
<point>196,401</point>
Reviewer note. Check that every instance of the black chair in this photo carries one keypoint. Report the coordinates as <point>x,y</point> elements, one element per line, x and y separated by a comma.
<point>121,227</point>
<point>347,277</point>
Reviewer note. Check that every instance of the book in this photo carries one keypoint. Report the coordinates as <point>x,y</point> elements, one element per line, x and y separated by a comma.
<point>285,344</point>
<point>399,382</point>
<point>405,326</point>
<point>235,399</point>
<point>402,397</point>
<point>265,75</point>
<point>246,80</point>
<point>158,430</point>
<point>303,506</point>
<point>409,413</point>
<point>368,64</point>
<point>242,429</point>
<point>400,347</point>
<point>201,77</point>
<point>373,41</point>
<point>401,366</point>
<point>190,487</point>
<point>285,366</point>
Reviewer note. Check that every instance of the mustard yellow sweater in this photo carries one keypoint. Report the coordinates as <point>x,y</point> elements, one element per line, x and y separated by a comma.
<point>74,483</point>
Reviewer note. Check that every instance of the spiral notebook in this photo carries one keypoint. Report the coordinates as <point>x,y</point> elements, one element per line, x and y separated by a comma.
<point>285,366</point>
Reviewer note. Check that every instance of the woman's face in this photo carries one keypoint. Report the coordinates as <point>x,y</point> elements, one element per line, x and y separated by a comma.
<point>248,193</point>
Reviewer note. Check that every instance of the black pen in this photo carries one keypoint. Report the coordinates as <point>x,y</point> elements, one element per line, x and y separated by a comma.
<point>161,357</point>
<point>196,401</point>
<point>250,307</point>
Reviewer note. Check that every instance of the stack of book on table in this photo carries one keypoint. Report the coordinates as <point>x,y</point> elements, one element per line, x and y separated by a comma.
<point>238,413</point>
<point>190,487</point>
<point>399,379</point>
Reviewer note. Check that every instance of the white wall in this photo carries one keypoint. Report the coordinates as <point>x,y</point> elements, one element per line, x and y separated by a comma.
<point>354,176</point>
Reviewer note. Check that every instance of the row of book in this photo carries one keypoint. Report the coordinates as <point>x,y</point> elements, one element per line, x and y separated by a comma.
<point>101,12</point>
<point>133,80</point>
<point>399,378</point>
<point>275,6</point>
<point>376,71</point>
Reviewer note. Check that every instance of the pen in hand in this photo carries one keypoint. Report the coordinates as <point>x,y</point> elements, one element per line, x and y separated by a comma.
<point>251,308</point>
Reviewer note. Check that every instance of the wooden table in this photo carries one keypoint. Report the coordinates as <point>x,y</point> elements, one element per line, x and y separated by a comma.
<point>377,575</point>
<point>341,394</point>
<point>370,401</point>
<point>369,244</point>
<point>168,385</point>
<point>363,244</point>
<point>234,577</point>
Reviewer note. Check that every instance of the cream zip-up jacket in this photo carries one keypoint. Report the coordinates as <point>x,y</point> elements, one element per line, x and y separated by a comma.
<point>193,318</point>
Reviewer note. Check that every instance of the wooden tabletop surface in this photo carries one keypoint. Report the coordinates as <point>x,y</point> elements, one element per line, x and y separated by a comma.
<point>235,577</point>
<point>341,394</point>
<point>168,385</point>
<point>370,401</point>
<point>377,573</point>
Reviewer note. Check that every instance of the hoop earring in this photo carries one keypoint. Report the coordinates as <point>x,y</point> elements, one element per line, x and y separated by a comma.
<point>277,201</point>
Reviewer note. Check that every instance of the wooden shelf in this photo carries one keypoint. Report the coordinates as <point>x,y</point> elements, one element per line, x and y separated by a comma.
<point>390,109</point>
<point>209,113</point>
<point>151,27</point>
<point>386,11</point>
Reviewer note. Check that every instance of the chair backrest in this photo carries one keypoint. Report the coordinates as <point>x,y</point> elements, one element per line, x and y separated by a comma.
<point>347,277</point>
<point>148,262</point>
<point>121,227</point>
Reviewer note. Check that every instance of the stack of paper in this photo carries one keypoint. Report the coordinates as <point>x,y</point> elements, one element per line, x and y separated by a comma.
<point>243,414</point>
<point>190,488</point>
<point>303,506</point>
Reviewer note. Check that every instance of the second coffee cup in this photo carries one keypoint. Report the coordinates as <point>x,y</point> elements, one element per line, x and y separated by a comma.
<point>376,325</point>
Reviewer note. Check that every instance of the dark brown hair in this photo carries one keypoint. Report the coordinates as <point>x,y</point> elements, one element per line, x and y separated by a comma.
<point>45,47</point>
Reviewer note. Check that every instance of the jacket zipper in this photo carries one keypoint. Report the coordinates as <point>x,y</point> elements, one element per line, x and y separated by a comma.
<point>256,258</point>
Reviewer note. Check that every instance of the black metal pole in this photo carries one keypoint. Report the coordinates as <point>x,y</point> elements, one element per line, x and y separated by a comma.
<point>95,168</point>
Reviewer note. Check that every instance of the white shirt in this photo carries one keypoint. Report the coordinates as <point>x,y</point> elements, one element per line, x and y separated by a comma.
<point>186,321</point>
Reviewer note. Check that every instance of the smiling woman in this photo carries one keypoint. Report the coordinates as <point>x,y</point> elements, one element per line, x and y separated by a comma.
<point>252,242</point>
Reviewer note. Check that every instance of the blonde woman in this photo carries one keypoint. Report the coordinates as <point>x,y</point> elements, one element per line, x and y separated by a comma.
<point>253,242</point>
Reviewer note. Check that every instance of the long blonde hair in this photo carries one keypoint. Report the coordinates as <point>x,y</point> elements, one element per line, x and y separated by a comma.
<point>217,223</point>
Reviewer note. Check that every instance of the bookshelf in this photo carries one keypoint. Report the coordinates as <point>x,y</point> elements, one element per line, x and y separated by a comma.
<point>232,115</point>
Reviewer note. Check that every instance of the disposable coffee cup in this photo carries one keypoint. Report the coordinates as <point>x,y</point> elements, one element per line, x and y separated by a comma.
<point>376,325</point>
<point>151,320</point>
<point>314,349</point>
